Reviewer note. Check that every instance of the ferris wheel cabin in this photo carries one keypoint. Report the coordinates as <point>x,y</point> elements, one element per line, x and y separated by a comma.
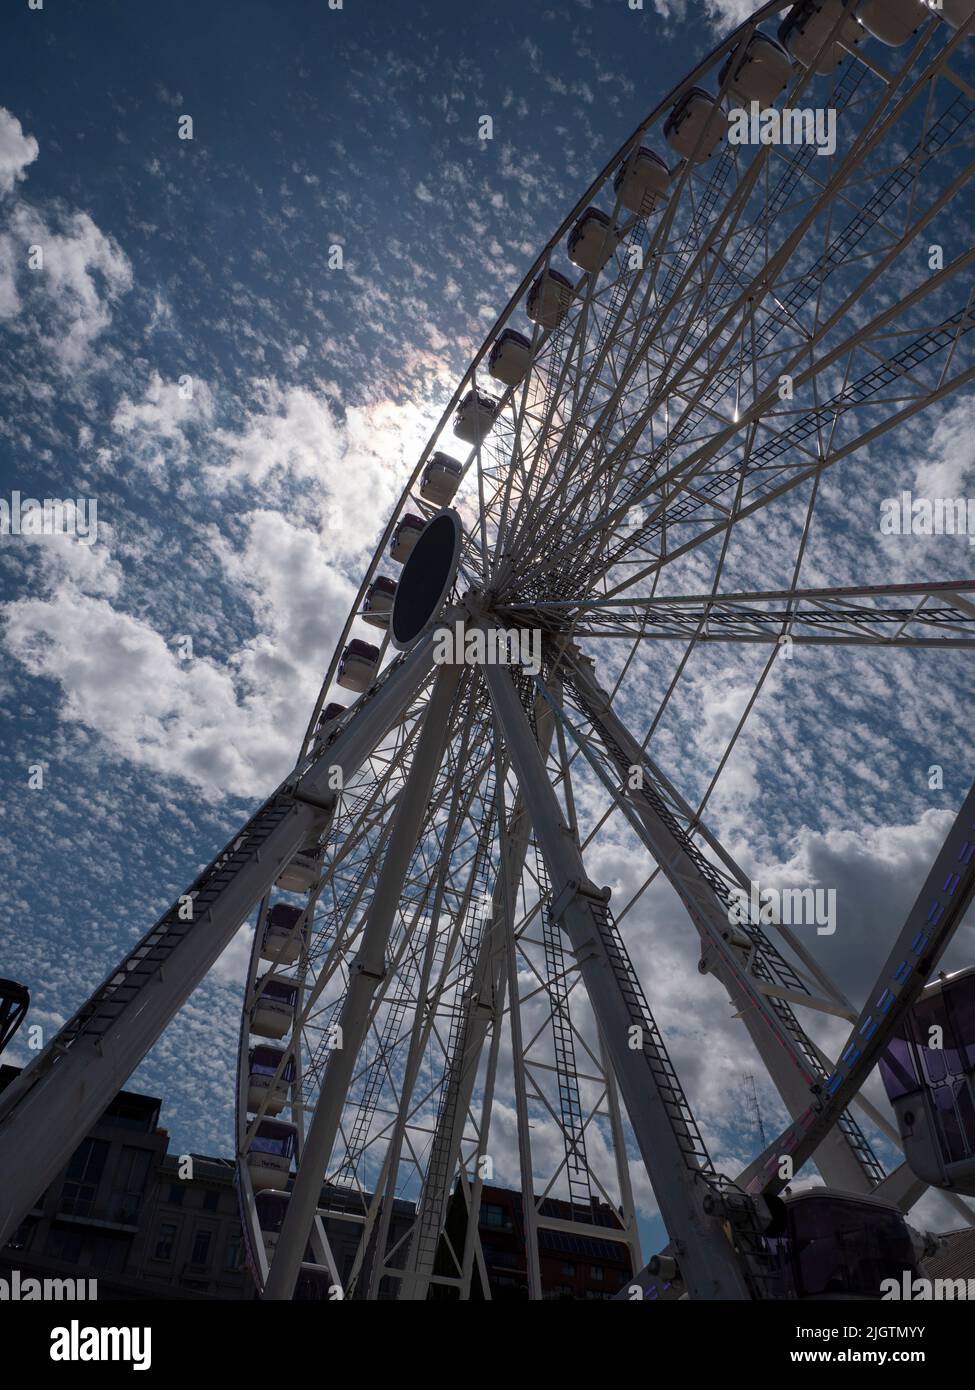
<point>831,1244</point>
<point>642,180</point>
<point>284,935</point>
<point>476,414</point>
<point>314,1282</point>
<point>441,479</point>
<point>262,1065</point>
<point>328,719</point>
<point>378,603</point>
<point>405,537</point>
<point>274,1006</point>
<point>271,1207</point>
<point>271,1151</point>
<point>955,12</point>
<point>760,70</point>
<point>593,240</point>
<point>929,1072</point>
<point>695,126</point>
<point>549,298</point>
<point>302,872</point>
<point>892,21</point>
<point>808,25</point>
<point>360,660</point>
<point>510,357</point>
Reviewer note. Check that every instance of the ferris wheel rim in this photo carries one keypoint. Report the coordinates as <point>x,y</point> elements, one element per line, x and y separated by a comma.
<point>470,376</point>
<point>656,114</point>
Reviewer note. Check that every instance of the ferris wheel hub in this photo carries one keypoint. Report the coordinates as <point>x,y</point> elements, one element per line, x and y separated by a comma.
<point>428,573</point>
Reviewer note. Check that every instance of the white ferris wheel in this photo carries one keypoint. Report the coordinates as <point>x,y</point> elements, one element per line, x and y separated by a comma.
<point>624,485</point>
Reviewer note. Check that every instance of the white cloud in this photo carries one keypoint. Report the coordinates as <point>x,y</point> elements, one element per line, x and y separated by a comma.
<point>9,298</point>
<point>230,726</point>
<point>17,150</point>
<point>357,465</point>
<point>947,470</point>
<point>877,872</point>
<point>154,426</point>
<point>165,407</point>
<point>728,14</point>
<point>292,432</point>
<point>84,273</point>
<point>64,560</point>
<point>722,15</point>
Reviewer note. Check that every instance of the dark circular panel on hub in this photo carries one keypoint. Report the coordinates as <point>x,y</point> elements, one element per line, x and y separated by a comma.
<point>427,575</point>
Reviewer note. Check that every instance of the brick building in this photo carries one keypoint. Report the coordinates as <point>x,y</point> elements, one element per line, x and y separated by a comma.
<point>572,1266</point>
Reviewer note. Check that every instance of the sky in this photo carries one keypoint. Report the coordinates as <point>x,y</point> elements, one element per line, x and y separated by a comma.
<point>246,414</point>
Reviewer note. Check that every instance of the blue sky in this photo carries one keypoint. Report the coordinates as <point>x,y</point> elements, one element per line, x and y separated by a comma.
<point>243,514</point>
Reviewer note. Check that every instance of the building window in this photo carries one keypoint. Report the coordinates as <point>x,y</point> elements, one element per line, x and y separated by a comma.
<point>63,1243</point>
<point>165,1240</point>
<point>211,1200</point>
<point>110,1253</point>
<point>596,1274</point>
<point>83,1176</point>
<point>128,1184</point>
<point>568,1269</point>
<point>492,1215</point>
<point>176,1191</point>
<point>201,1246</point>
<point>231,1259</point>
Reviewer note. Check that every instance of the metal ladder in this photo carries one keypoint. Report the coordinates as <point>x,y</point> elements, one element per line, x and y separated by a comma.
<point>570,1101</point>
<point>768,965</point>
<point>652,1044</point>
<point>122,986</point>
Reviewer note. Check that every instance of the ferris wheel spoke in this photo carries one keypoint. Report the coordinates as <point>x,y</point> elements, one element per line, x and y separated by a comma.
<point>768,476</point>
<point>439,864</point>
<point>934,614</point>
<point>625,361</point>
<point>836,254</point>
<point>766,460</point>
<point>425,1027</point>
<point>480,1014</point>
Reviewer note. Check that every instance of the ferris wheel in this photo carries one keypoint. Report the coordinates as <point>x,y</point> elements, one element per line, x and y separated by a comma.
<point>713,327</point>
<point>618,501</point>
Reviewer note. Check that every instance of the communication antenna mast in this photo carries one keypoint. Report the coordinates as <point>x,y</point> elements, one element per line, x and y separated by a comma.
<point>752,1094</point>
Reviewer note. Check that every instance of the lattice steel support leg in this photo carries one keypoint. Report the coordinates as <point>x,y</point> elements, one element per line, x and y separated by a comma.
<point>658,1113</point>
<point>483,1013</point>
<point>47,1111</point>
<point>366,972</point>
<point>790,1071</point>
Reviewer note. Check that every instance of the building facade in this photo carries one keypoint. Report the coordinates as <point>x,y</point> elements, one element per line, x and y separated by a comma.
<point>146,1223</point>
<point>139,1220</point>
<point>572,1266</point>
